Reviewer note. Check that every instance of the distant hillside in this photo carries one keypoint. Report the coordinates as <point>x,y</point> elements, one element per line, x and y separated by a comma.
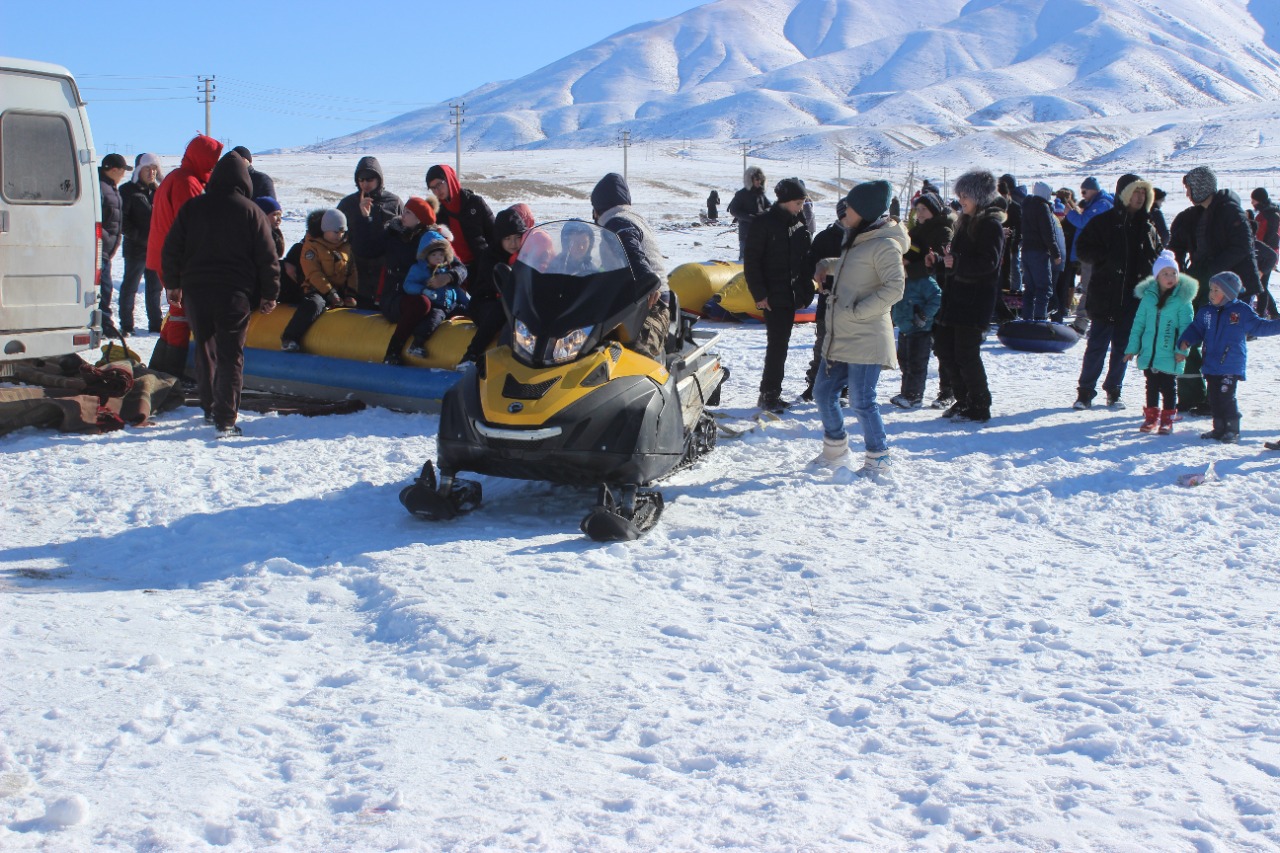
<point>880,80</point>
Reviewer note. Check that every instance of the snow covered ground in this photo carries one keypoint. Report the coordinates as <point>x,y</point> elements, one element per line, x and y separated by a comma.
<point>1030,639</point>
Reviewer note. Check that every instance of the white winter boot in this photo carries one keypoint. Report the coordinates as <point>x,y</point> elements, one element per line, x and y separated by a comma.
<point>835,451</point>
<point>875,465</point>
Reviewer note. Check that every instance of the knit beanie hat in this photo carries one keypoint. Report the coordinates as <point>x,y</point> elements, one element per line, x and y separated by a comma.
<point>931,201</point>
<point>1260,195</point>
<point>1201,183</point>
<point>422,209</point>
<point>244,153</point>
<point>267,204</point>
<point>1124,181</point>
<point>333,220</point>
<point>871,199</point>
<point>1165,260</point>
<point>1090,183</point>
<point>1229,283</point>
<point>1043,190</point>
<point>790,189</point>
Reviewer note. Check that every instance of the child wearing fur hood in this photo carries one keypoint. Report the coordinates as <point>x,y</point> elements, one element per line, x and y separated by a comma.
<point>1164,310</point>
<point>431,293</point>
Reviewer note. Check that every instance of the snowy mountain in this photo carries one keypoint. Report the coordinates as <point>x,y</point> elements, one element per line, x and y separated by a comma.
<point>878,79</point>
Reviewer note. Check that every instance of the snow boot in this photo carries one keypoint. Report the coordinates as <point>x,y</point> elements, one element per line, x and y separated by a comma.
<point>1231,432</point>
<point>1166,421</point>
<point>772,403</point>
<point>1114,401</point>
<point>874,464</point>
<point>943,401</point>
<point>1272,445</point>
<point>1150,417</point>
<point>835,452</point>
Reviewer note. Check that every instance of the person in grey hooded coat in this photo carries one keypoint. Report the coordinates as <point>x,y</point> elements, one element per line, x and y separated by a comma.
<point>748,203</point>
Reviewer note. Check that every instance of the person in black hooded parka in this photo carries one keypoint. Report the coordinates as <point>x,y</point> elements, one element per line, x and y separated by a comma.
<point>220,263</point>
<point>369,211</point>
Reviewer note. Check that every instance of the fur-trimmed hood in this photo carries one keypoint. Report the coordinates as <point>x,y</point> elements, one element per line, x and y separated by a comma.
<point>750,175</point>
<point>437,237</point>
<point>1134,186</point>
<point>1184,291</point>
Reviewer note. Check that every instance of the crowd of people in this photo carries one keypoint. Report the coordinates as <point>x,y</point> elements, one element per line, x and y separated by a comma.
<point>1178,298</point>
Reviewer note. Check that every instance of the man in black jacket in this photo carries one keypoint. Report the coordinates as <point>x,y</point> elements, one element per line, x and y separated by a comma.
<point>466,214</point>
<point>775,263</point>
<point>826,245</point>
<point>262,183</point>
<point>110,173</point>
<point>135,199</point>
<point>369,211</point>
<point>748,203</point>
<point>219,261</point>
<point>1268,233</point>
<point>1043,249</point>
<point>1121,245</point>
<point>1011,269</point>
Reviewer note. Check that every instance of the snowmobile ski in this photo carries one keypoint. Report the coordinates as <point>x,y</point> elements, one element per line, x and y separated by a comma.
<point>439,501</point>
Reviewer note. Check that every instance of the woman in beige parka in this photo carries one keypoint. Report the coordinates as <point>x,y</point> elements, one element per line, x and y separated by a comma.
<point>868,280</point>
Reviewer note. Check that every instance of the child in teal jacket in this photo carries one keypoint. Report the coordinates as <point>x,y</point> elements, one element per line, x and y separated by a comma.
<point>1164,310</point>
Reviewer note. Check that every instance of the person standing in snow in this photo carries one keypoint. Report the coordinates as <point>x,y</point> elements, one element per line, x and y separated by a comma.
<point>135,199</point>
<point>1267,220</point>
<point>775,264</point>
<point>262,183</point>
<point>369,211</point>
<point>220,261</point>
<point>914,316</point>
<point>826,245</point>
<point>1011,269</point>
<point>1120,245</point>
<point>1064,288</point>
<point>1223,327</point>
<point>1164,310</point>
<point>868,281</point>
<point>713,206</point>
<point>748,203</point>
<point>1043,248</point>
<point>969,298</point>
<point>110,174</point>
<point>1094,201</point>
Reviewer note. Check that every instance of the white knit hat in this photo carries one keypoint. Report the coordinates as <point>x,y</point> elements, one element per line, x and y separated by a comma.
<point>1165,260</point>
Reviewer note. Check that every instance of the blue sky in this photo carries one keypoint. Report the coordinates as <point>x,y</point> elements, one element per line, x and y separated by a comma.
<point>291,74</point>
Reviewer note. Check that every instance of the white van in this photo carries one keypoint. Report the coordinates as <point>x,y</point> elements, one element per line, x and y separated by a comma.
<point>50,209</point>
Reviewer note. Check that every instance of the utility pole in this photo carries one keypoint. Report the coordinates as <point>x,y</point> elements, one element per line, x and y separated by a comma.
<point>626,143</point>
<point>746,144</point>
<point>456,120</point>
<point>207,98</point>
<point>839,170</point>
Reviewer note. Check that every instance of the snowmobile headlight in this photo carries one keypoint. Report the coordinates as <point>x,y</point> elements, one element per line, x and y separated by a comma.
<point>523,340</point>
<point>568,347</point>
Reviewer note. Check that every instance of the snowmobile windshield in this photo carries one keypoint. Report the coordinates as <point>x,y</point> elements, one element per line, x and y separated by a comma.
<point>570,284</point>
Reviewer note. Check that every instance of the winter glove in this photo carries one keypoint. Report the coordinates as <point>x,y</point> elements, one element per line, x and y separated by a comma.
<point>332,299</point>
<point>917,318</point>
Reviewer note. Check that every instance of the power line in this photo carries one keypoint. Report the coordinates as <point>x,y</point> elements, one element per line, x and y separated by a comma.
<point>123,100</point>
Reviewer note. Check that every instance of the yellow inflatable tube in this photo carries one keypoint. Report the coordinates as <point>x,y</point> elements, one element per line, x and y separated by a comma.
<point>356,335</point>
<point>694,284</point>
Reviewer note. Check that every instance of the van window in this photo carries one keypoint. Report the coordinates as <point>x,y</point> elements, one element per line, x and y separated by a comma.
<point>37,159</point>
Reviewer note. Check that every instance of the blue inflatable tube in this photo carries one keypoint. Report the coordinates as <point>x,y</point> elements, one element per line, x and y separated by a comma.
<point>1037,336</point>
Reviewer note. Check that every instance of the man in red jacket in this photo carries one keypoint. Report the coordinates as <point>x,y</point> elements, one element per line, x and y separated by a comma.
<point>178,187</point>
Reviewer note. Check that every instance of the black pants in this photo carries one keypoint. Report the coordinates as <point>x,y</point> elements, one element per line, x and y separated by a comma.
<point>135,272</point>
<point>489,318</point>
<point>219,322</point>
<point>778,323</point>
<point>306,313</point>
<point>913,357</point>
<point>1191,390</point>
<point>1161,386</point>
<point>960,355</point>
<point>819,333</point>
<point>1222,399</point>
<point>1064,291</point>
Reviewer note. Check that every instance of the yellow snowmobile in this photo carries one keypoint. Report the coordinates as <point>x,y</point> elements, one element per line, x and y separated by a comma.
<point>563,398</point>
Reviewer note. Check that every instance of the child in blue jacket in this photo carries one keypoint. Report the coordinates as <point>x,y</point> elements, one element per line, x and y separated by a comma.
<point>913,318</point>
<point>1222,326</point>
<point>431,293</point>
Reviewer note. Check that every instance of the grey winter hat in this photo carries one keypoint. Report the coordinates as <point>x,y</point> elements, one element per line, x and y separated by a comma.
<point>333,220</point>
<point>1229,283</point>
<point>979,186</point>
<point>1201,183</point>
<point>790,189</point>
<point>1043,190</point>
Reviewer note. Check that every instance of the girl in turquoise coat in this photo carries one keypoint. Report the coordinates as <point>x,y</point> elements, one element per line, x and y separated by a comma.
<point>1164,311</point>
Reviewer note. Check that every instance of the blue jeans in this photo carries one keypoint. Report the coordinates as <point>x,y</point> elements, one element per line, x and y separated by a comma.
<point>832,377</point>
<point>1038,277</point>
<point>1104,334</point>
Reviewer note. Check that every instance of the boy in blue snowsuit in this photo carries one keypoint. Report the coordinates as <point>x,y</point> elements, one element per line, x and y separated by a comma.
<point>1223,326</point>
<point>913,318</point>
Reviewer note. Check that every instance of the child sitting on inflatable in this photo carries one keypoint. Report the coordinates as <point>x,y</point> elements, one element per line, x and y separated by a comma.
<point>329,276</point>
<point>432,293</point>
